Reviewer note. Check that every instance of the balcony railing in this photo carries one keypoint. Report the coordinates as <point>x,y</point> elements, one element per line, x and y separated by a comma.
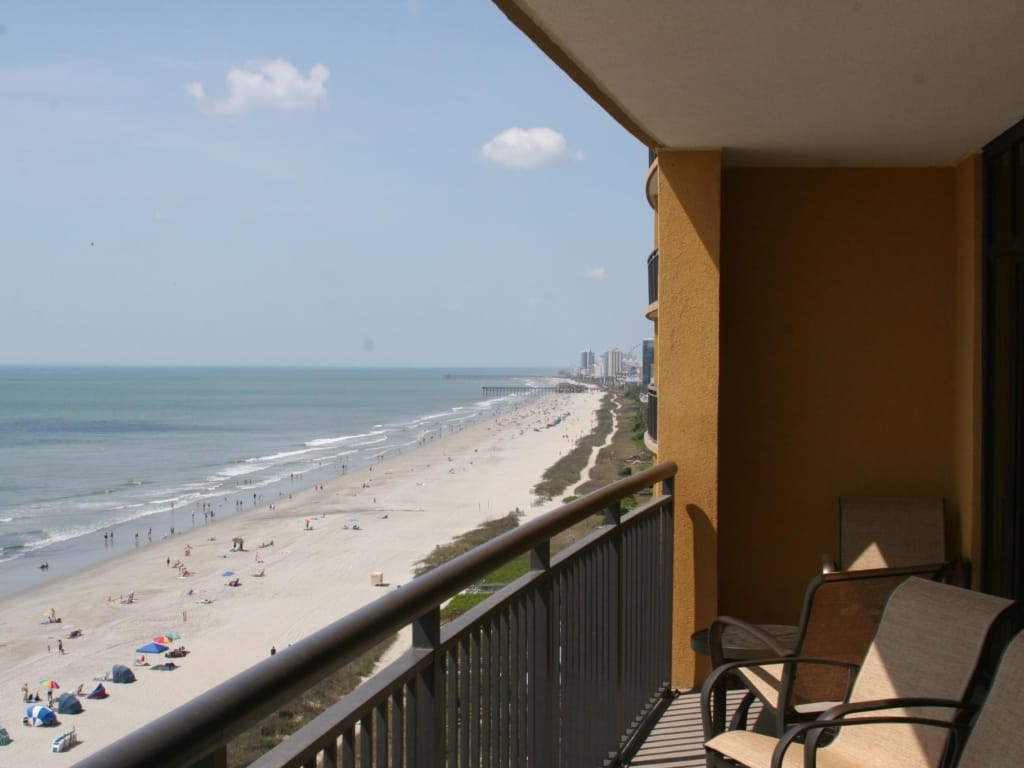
<point>652,155</point>
<point>652,412</point>
<point>557,669</point>
<point>652,277</point>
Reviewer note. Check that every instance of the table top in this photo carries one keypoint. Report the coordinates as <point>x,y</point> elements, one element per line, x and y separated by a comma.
<point>738,645</point>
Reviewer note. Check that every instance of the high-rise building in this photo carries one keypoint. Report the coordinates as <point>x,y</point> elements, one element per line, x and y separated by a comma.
<point>613,363</point>
<point>648,363</point>
<point>587,362</point>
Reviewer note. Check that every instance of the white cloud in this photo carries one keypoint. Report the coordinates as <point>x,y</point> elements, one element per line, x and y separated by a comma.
<point>597,273</point>
<point>527,148</point>
<point>273,84</point>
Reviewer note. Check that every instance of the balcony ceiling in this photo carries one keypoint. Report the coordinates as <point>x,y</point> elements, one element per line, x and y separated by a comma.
<point>801,82</point>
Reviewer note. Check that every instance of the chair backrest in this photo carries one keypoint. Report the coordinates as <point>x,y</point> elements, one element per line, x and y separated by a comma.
<point>928,644</point>
<point>890,532</point>
<point>840,617</point>
<point>997,737</point>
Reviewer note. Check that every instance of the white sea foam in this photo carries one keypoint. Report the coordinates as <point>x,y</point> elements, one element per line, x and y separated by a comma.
<point>378,441</point>
<point>274,457</point>
<point>323,441</point>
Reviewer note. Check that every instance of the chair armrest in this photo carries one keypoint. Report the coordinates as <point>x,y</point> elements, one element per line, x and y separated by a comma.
<point>817,728</point>
<point>840,711</point>
<point>828,564</point>
<point>712,694</point>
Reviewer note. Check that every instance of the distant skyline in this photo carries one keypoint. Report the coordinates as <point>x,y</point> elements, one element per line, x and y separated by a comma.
<point>390,183</point>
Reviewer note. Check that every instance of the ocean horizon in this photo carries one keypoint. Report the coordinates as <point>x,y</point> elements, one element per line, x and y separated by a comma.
<point>100,460</point>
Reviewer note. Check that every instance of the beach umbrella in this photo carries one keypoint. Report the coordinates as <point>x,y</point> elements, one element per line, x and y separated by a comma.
<point>40,715</point>
<point>51,684</point>
<point>151,648</point>
<point>172,635</point>
<point>166,639</point>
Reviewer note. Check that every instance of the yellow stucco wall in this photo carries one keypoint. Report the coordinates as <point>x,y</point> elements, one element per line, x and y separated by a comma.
<point>838,349</point>
<point>686,372</point>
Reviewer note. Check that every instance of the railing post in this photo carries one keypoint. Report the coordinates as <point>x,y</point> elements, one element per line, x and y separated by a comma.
<point>613,517</point>
<point>542,683</point>
<point>428,708</point>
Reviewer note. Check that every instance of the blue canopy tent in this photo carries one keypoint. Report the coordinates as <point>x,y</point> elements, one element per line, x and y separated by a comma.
<point>121,674</point>
<point>68,704</point>
<point>152,648</point>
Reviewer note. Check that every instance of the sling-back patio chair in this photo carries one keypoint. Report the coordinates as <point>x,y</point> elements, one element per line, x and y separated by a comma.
<point>995,739</point>
<point>927,646</point>
<point>889,533</point>
<point>840,615</point>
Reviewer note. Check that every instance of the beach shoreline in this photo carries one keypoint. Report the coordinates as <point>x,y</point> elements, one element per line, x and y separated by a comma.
<point>327,542</point>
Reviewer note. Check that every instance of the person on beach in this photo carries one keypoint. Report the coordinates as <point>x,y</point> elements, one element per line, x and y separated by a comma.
<point>24,692</point>
<point>60,647</point>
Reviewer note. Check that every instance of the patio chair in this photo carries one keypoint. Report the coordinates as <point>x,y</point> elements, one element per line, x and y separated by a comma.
<point>840,615</point>
<point>995,738</point>
<point>927,647</point>
<point>889,533</point>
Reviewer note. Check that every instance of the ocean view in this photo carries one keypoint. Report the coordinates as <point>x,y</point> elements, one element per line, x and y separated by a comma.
<point>137,451</point>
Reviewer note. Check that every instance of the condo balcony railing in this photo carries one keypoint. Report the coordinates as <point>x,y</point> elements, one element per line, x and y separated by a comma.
<point>652,277</point>
<point>559,668</point>
<point>652,412</point>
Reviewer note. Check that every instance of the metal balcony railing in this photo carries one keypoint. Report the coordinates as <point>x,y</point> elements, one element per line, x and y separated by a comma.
<point>557,669</point>
<point>652,277</point>
<point>652,412</point>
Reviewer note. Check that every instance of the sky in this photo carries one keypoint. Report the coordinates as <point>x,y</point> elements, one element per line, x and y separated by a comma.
<point>358,183</point>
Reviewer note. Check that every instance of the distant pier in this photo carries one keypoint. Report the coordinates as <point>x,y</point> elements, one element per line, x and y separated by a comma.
<point>560,389</point>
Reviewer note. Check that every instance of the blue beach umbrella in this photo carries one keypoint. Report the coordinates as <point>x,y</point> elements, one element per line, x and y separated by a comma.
<point>151,648</point>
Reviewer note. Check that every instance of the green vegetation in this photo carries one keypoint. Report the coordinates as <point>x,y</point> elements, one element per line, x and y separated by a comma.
<point>624,454</point>
<point>467,541</point>
<point>567,470</point>
<point>275,728</point>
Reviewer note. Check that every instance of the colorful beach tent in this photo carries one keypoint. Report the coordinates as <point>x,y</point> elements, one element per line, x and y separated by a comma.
<point>99,692</point>
<point>121,674</point>
<point>37,714</point>
<point>68,704</point>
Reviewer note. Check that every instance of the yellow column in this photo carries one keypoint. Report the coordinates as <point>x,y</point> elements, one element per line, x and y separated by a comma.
<point>687,376</point>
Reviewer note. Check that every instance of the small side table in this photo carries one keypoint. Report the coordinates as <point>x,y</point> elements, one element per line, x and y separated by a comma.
<point>737,645</point>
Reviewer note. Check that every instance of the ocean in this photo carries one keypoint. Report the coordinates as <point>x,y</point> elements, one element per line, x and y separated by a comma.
<point>95,461</point>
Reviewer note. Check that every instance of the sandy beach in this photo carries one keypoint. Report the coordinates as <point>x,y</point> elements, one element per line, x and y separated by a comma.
<point>312,574</point>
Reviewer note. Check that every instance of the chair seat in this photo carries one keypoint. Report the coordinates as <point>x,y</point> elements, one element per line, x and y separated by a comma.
<point>755,750</point>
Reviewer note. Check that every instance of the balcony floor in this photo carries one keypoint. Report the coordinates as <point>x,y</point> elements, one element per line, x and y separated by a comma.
<point>677,738</point>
